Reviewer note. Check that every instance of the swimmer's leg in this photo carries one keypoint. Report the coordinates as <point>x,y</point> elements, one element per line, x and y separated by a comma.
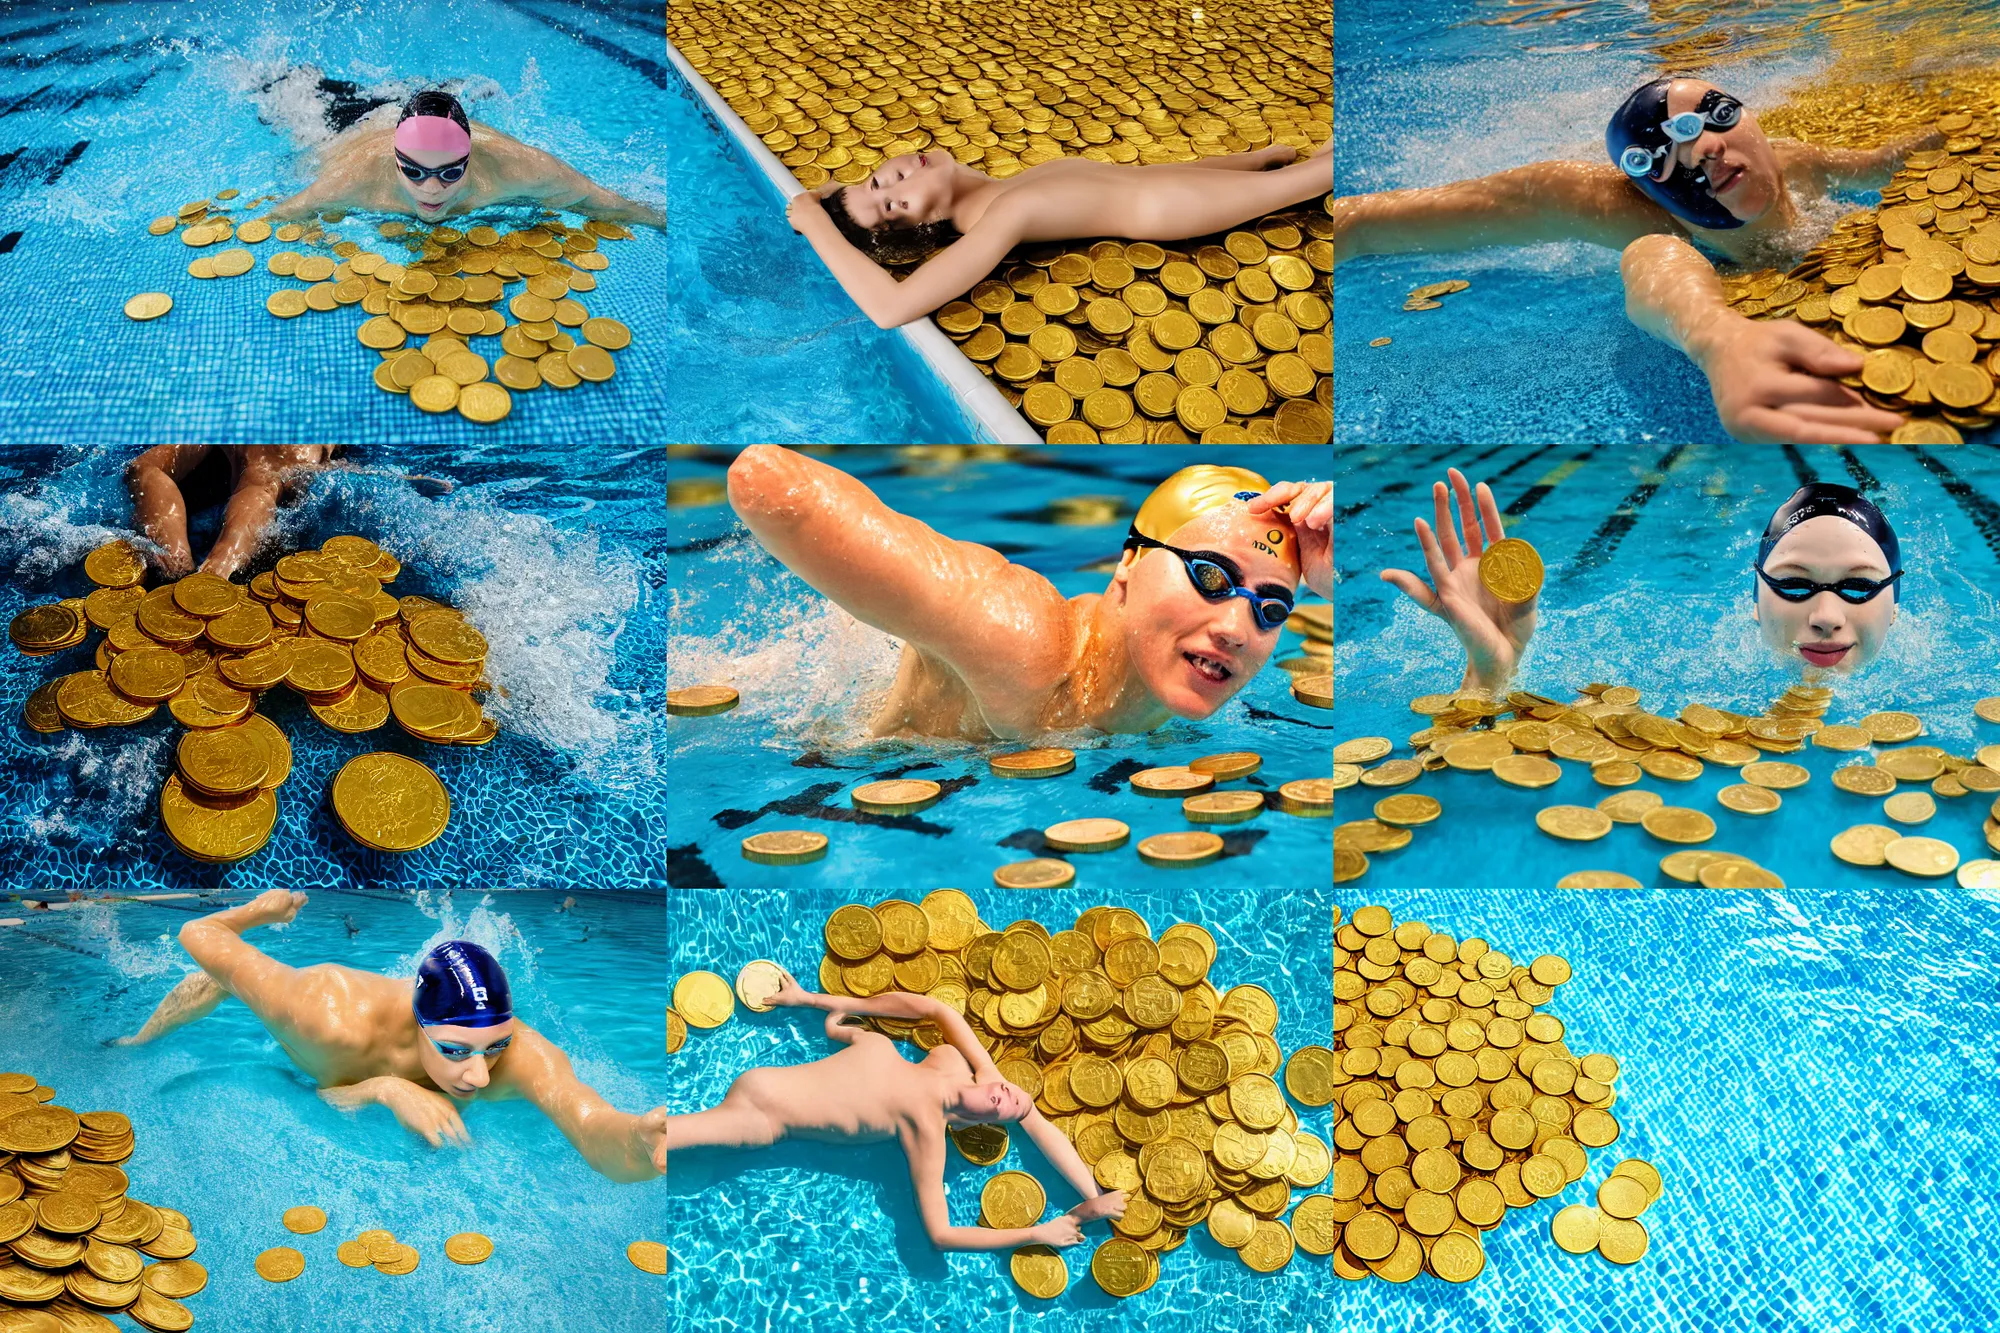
<point>195,997</point>
<point>159,510</point>
<point>737,1123</point>
<point>1183,205</point>
<point>243,970</point>
<point>253,501</point>
<point>1254,160</point>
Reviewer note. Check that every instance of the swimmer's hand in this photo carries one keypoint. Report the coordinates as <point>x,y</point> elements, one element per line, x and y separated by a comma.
<point>1309,507</point>
<point>1109,1204</point>
<point>802,209</point>
<point>791,994</point>
<point>651,1132</point>
<point>419,1110</point>
<point>1061,1232</point>
<point>1775,383</point>
<point>1493,633</point>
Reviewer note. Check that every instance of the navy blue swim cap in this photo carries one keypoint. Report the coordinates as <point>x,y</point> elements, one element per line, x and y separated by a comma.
<point>1640,122</point>
<point>460,984</point>
<point>1822,498</point>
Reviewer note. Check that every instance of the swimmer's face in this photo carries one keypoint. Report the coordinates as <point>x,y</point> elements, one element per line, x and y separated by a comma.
<point>1741,166</point>
<point>431,195</point>
<point>462,1078</point>
<point>1195,654</point>
<point>995,1103</point>
<point>905,191</point>
<point>1826,632</point>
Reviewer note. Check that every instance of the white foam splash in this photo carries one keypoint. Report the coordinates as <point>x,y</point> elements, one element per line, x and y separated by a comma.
<point>493,931</point>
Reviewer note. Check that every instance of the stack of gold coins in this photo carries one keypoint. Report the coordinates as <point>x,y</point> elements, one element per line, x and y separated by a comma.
<point>80,1243</point>
<point>1168,1086</point>
<point>450,287</point>
<point>319,623</point>
<point>1223,338</point>
<point>1459,1096</point>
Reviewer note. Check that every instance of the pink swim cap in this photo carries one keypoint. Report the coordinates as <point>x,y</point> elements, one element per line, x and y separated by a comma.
<point>433,134</point>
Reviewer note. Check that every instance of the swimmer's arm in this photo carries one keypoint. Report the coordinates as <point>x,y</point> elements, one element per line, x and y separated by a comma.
<point>616,1143</point>
<point>548,180</point>
<point>241,968</point>
<point>158,509</point>
<point>923,1144</point>
<point>995,622</point>
<point>945,276</point>
<point>1545,201</point>
<point>253,502</point>
<point>417,1109</point>
<point>1062,1154</point>
<point>328,192</point>
<point>1859,168</point>
<point>911,1009</point>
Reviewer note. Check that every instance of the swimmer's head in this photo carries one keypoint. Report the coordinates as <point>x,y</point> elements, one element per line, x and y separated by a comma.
<point>1827,535</point>
<point>1695,151</point>
<point>996,1103</point>
<point>902,208</point>
<point>1194,639</point>
<point>433,150</point>
<point>465,1015</point>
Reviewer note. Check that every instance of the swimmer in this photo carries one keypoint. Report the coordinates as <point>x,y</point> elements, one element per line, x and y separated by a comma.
<point>433,162</point>
<point>1826,557</point>
<point>1690,167</point>
<point>1059,200</point>
<point>421,1048</point>
<point>992,650</point>
<point>869,1093</point>
<point>169,481</point>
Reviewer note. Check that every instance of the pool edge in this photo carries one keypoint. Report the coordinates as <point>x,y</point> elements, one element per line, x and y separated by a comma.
<point>979,400</point>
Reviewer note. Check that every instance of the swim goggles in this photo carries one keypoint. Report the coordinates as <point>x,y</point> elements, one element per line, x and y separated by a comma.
<point>1717,111</point>
<point>417,173</point>
<point>1217,578</point>
<point>1853,591</point>
<point>458,1052</point>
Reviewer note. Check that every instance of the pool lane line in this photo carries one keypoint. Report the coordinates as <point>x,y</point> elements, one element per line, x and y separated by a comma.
<point>1554,477</point>
<point>1865,480</point>
<point>975,397</point>
<point>1413,472</point>
<point>650,70</point>
<point>52,940</point>
<point>1981,509</point>
<point>1602,544</point>
<point>687,870</point>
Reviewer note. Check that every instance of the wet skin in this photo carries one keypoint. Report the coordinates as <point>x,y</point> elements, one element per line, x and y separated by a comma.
<point>265,476</point>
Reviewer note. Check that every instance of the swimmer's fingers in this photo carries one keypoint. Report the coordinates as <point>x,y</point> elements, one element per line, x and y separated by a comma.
<point>1413,588</point>
<point>1436,558</point>
<point>1768,425</point>
<point>1870,421</point>
<point>1469,514</point>
<point>1445,539</point>
<point>1489,513</point>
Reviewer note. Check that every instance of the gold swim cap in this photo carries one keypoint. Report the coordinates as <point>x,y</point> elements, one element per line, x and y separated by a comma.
<point>1190,493</point>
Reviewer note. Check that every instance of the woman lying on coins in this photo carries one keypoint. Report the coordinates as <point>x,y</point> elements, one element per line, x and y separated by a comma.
<point>421,1048</point>
<point>1060,200</point>
<point>991,649</point>
<point>170,481</point>
<point>1826,557</point>
<point>1690,172</point>
<point>869,1093</point>
<point>430,160</point>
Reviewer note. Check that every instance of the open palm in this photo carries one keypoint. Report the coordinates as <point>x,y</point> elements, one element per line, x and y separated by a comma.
<point>1494,633</point>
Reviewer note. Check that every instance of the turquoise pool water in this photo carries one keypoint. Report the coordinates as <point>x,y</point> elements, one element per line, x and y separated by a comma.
<point>232,1134</point>
<point>1648,554</point>
<point>788,756</point>
<point>118,113</point>
<point>1811,1073</point>
<point>809,1236</point>
<point>552,551</point>
<point>1539,347</point>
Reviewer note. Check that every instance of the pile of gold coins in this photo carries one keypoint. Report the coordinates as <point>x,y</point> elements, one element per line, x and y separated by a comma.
<point>1168,1087</point>
<point>321,624</point>
<point>1519,739</point>
<point>447,290</point>
<point>1224,338</point>
<point>1911,286</point>
<point>73,1244</point>
<point>1458,1101</point>
<point>378,1249</point>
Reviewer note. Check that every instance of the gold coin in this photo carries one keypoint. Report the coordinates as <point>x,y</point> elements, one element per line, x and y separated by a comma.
<point>1041,873</point>
<point>304,1220</point>
<point>901,796</point>
<point>704,999</point>
<point>592,363</point>
<point>483,402</point>
<point>756,982</point>
<point>1171,781</point>
<point>784,847</point>
<point>1039,1270</point>
<point>1122,1267</point>
<point>1575,1228</point>
<point>468,1247</point>
<point>1179,850</point>
<point>1227,767</point>
<point>1511,570</point>
<point>1910,807</point>
<point>390,803</point>
<point>1630,807</point>
<point>1622,1197</point>
<point>1926,857</point>
<point>1597,879</point>
<point>1526,770</point>
<point>281,1264</point>
<point>1747,799</point>
<point>1621,1241</point>
<point>1775,775</point>
<point>1407,810</point>
<point>701,700</point>
<point>148,305</point>
<point>1863,844</point>
<point>1087,835</point>
<point>1046,763</point>
<point>175,1278</point>
<point>1675,824</point>
<point>435,393</point>
<point>648,1256</point>
<point>1577,823</point>
<point>1221,807</point>
<point>1864,780</point>
<point>1316,691</point>
<point>1306,797</point>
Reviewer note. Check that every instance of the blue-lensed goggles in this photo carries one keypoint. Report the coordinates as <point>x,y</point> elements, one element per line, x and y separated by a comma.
<point>416,173</point>
<point>1718,111</point>
<point>458,1052</point>
<point>1216,577</point>
<point>1854,591</point>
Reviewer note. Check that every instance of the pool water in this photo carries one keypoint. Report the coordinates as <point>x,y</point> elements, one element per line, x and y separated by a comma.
<point>1539,347</point>
<point>552,552</point>
<point>1648,554</point>
<point>232,1134</point>
<point>816,1236</point>
<point>766,345</point>
<point>119,113</point>
<point>1812,1075</point>
<point>787,757</point>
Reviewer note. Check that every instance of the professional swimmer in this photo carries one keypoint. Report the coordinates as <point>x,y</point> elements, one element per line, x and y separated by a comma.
<point>1058,200</point>
<point>1690,168</point>
<point>991,649</point>
<point>420,1048</point>
<point>434,162</point>
<point>1826,557</point>
<point>169,481</point>
<point>869,1093</point>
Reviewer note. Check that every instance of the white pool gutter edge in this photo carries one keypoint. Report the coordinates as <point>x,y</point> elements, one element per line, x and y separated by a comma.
<point>977,398</point>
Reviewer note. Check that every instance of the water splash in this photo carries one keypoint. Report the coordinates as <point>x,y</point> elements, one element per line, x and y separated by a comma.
<point>492,930</point>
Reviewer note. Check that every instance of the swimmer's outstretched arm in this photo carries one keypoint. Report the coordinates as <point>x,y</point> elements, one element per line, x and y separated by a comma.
<point>159,510</point>
<point>533,173</point>
<point>616,1143</point>
<point>1545,201</point>
<point>1000,625</point>
<point>1773,382</point>
<point>1860,168</point>
<point>941,278</point>
<point>253,502</point>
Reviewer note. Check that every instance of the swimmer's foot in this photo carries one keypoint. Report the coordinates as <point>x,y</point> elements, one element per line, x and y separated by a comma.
<point>273,907</point>
<point>195,997</point>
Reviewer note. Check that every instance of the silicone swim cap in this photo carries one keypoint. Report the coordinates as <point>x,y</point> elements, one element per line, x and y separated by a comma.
<point>1640,122</point>
<point>1192,492</point>
<point>1822,499</point>
<point>434,122</point>
<point>460,984</point>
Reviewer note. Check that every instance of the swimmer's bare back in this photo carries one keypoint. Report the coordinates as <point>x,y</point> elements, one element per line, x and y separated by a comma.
<point>358,171</point>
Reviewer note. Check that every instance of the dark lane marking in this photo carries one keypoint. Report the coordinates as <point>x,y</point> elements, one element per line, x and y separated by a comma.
<point>24,101</point>
<point>1603,543</point>
<point>1538,492</point>
<point>814,759</point>
<point>1413,472</point>
<point>707,543</point>
<point>686,869</point>
<point>1865,479</point>
<point>652,71</point>
<point>1112,780</point>
<point>24,34</point>
<point>1800,468</point>
<point>1981,509</point>
<point>1262,715</point>
<point>68,161</point>
<point>9,241</point>
<point>811,804</point>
